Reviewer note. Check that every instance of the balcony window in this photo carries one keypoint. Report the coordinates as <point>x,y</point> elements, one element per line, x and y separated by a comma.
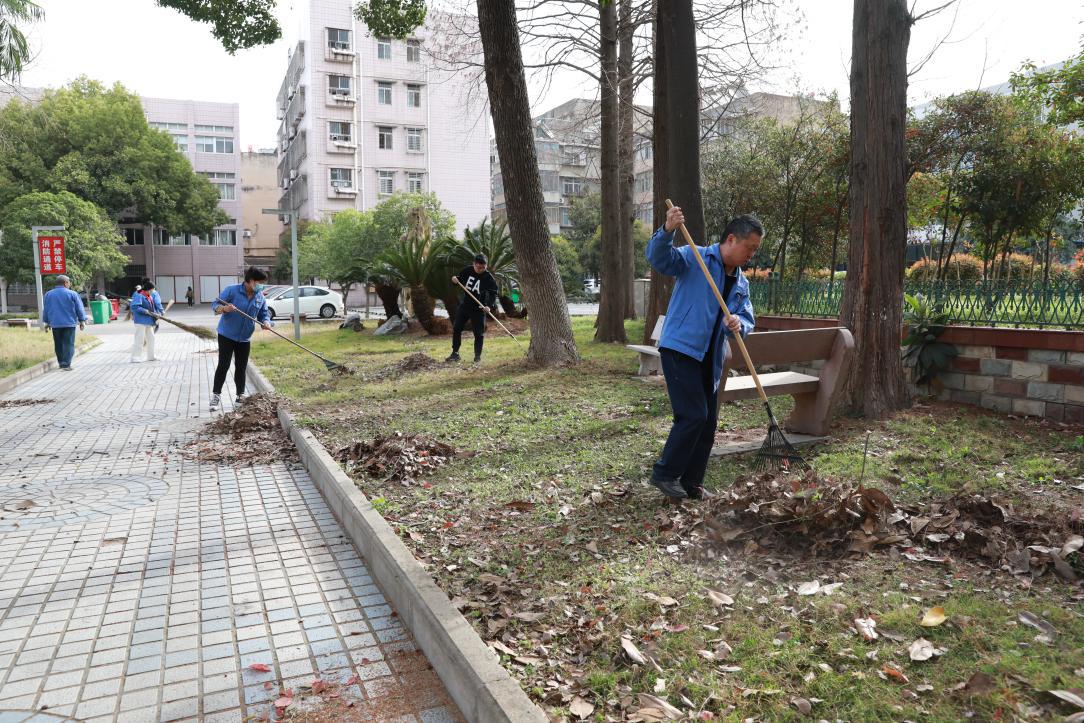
<point>414,51</point>
<point>571,186</point>
<point>384,137</point>
<point>342,178</point>
<point>383,49</point>
<point>414,96</point>
<point>133,236</point>
<point>383,92</point>
<point>338,39</point>
<point>341,131</point>
<point>339,85</point>
<point>414,139</point>
<point>414,182</point>
<point>385,182</point>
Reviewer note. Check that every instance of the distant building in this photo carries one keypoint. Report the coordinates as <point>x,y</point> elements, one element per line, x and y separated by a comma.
<point>364,117</point>
<point>260,186</point>
<point>568,139</point>
<point>206,133</point>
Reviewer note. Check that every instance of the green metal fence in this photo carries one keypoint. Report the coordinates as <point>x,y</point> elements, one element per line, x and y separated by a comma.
<point>1058,305</point>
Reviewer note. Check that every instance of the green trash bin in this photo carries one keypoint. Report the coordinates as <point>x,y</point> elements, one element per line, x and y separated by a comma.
<point>100,310</point>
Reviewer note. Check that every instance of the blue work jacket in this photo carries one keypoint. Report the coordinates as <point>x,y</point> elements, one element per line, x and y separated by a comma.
<point>234,326</point>
<point>62,308</point>
<point>141,305</point>
<point>693,309</point>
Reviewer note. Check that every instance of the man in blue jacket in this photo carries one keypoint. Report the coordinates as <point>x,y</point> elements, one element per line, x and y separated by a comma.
<point>693,344</point>
<point>144,303</point>
<point>235,330</point>
<point>62,309</point>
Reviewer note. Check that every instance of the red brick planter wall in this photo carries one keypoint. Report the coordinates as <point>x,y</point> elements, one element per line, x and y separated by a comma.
<point>1032,372</point>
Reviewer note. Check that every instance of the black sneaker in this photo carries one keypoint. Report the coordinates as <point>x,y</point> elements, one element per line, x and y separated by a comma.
<point>699,493</point>
<point>669,487</point>
<point>453,357</point>
<point>477,358</point>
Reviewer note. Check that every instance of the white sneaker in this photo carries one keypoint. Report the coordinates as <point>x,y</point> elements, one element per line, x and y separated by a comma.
<point>240,398</point>
<point>136,361</point>
<point>215,399</point>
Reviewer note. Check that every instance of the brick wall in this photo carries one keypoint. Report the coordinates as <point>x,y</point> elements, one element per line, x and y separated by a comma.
<point>1029,372</point>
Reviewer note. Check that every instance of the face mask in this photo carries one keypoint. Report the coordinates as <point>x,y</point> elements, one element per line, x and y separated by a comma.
<point>259,288</point>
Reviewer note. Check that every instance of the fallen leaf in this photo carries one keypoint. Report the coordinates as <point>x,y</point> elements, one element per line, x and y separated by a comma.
<point>1074,696</point>
<point>664,600</point>
<point>260,668</point>
<point>894,673</point>
<point>529,617</point>
<point>660,685</point>
<point>520,505</point>
<point>352,680</point>
<point>1034,621</point>
<point>632,651</point>
<point>318,686</point>
<point>706,654</point>
<point>676,628</point>
<point>933,617</point>
<point>867,628</point>
<point>978,684</point>
<point>809,588</point>
<point>923,649</point>
<point>924,688</point>
<point>804,706</point>
<point>284,702</point>
<point>581,708</point>
<point>829,589</point>
<point>651,701</point>
<point>723,650</point>
<point>719,599</point>
<point>1071,545</point>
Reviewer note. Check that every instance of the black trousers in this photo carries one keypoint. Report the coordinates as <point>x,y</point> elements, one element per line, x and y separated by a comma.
<point>695,400</point>
<point>238,351</point>
<point>469,312</point>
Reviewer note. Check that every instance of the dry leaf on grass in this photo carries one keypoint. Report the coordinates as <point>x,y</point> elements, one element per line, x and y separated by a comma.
<point>978,684</point>
<point>809,588</point>
<point>893,673</point>
<point>923,649</point>
<point>804,706</point>
<point>1072,545</point>
<point>1074,696</point>
<point>1048,631</point>
<point>719,599</point>
<point>651,701</point>
<point>933,617</point>
<point>632,651</point>
<point>866,627</point>
<point>581,708</point>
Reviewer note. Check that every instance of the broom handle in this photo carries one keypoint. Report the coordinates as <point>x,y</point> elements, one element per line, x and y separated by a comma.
<point>722,304</point>
<point>480,305</point>
<point>310,351</point>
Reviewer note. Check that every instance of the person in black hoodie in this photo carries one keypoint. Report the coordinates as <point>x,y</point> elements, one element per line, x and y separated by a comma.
<point>481,283</point>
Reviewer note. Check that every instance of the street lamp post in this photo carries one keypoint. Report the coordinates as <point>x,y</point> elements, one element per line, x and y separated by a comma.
<point>293,264</point>
<point>34,231</point>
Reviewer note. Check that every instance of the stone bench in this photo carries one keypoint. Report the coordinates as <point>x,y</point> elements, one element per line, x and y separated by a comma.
<point>813,396</point>
<point>650,362</point>
<point>23,323</point>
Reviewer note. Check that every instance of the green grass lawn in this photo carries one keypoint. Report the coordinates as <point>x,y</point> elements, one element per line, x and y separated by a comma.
<point>586,541</point>
<point>22,348</point>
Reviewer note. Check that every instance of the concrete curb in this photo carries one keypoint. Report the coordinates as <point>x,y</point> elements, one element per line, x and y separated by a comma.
<point>23,376</point>
<point>471,672</point>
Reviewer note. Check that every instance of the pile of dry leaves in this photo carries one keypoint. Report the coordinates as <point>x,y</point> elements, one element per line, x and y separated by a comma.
<point>416,362</point>
<point>6,403</point>
<point>822,516</point>
<point>250,434</point>
<point>398,457</point>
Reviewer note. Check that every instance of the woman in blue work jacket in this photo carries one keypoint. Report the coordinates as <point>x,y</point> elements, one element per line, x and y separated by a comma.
<point>235,329</point>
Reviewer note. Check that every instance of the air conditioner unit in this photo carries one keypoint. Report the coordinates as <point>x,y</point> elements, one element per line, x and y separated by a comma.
<point>290,92</point>
<point>285,183</point>
<point>340,138</point>
<point>248,233</point>
<point>293,175</point>
<point>339,91</point>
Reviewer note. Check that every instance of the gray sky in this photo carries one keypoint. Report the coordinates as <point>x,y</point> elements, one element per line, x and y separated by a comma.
<point>159,52</point>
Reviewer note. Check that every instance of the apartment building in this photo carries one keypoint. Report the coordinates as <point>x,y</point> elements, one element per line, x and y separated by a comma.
<point>260,189</point>
<point>364,117</point>
<point>568,138</point>
<point>206,133</point>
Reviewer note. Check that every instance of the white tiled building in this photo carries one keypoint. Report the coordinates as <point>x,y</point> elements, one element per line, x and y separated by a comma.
<point>364,117</point>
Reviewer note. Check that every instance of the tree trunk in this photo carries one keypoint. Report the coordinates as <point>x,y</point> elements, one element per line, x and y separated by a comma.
<point>626,151</point>
<point>611,307</point>
<point>3,295</point>
<point>510,309</point>
<point>451,304</point>
<point>389,297</point>
<point>552,343</point>
<point>661,286</point>
<point>872,305</point>
<point>423,306</point>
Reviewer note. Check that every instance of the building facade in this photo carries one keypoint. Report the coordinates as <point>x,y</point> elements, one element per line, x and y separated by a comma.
<point>365,117</point>
<point>260,190</point>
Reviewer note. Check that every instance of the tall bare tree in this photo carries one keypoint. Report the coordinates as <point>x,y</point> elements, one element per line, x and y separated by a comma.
<point>626,30</point>
<point>552,343</point>
<point>872,306</point>
<point>611,312</point>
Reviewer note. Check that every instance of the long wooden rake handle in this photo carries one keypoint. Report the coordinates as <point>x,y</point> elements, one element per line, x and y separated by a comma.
<point>722,304</point>
<point>481,305</point>
<point>281,336</point>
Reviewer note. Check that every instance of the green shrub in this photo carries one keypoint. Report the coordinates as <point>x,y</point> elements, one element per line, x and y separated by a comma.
<point>961,267</point>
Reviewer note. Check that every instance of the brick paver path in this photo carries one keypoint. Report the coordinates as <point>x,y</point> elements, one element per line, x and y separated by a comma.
<point>136,585</point>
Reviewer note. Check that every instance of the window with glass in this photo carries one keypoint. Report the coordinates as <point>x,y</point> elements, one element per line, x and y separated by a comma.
<point>566,218</point>
<point>180,140</point>
<point>341,131</point>
<point>226,191</point>
<point>383,92</point>
<point>413,139</point>
<point>338,39</point>
<point>164,238</point>
<point>225,237</point>
<point>549,181</point>
<point>342,178</point>
<point>414,51</point>
<point>414,182</point>
<point>213,144</point>
<point>383,48</point>
<point>385,182</point>
<point>339,84</point>
<point>414,96</point>
<point>224,130</point>
<point>571,186</point>
<point>133,236</point>
<point>168,126</point>
<point>384,137</point>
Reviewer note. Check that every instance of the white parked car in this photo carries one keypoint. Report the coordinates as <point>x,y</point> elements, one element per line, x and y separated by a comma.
<point>315,301</point>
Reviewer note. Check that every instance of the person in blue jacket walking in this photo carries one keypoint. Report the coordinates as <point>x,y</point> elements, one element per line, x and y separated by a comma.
<point>144,303</point>
<point>62,310</point>
<point>694,343</point>
<point>235,331</point>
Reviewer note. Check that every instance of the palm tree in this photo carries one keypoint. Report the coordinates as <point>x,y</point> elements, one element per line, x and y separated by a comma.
<point>413,259</point>
<point>14,52</point>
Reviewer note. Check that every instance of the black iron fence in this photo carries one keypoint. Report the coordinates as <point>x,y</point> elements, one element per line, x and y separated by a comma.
<point>1021,304</point>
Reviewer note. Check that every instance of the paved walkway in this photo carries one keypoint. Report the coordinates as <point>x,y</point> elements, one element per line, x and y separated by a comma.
<point>136,585</point>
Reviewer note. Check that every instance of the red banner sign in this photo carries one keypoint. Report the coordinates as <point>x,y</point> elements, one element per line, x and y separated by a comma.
<point>51,250</point>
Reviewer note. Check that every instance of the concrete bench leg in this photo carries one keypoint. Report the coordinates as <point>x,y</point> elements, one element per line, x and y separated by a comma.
<point>807,416</point>
<point>649,365</point>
